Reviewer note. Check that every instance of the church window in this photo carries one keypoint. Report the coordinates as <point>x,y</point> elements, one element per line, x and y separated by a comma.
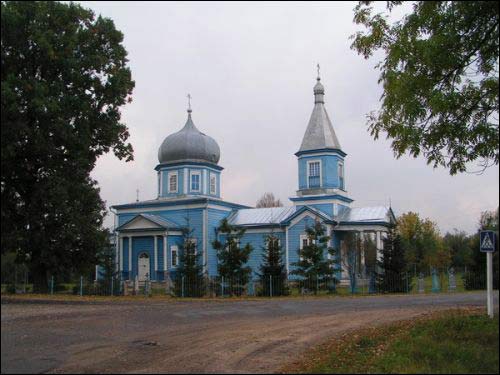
<point>314,174</point>
<point>195,181</point>
<point>172,182</point>
<point>173,255</point>
<point>213,184</point>
<point>341,175</point>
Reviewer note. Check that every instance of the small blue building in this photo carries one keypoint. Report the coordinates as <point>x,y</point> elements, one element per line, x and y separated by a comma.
<point>148,233</point>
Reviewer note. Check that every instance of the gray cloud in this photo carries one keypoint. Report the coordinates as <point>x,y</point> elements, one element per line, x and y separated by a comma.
<point>250,69</point>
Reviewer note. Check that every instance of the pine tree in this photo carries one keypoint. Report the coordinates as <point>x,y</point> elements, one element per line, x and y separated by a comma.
<point>392,275</point>
<point>312,265</point>
<point>189,278</point>
<point>108,273</point>
<point>232,258</point>
<point>273,275</point>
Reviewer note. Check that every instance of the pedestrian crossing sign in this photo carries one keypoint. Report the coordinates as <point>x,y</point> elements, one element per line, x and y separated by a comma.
<point>487,241</point>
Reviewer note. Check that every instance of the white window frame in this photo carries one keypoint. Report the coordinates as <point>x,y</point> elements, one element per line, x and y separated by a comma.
<point>309,162</point>
<point>169,175</point>
<point>303,237</point>
<point>214,177</point>
<point>174,248</point>
<point>191,174</point>
<point>335,209</point>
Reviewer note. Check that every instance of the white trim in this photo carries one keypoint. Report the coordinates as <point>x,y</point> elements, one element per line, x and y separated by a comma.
<point>329,153</point>
<point>263,230</point>
<point>191,174</point>
<point>160,183</point>
<point>155,254</point>
<point>120,242</point>
<point>170,174</point>
<point>194,166</point>
<point>129,254</point>
<point>146,233</point>
<point>172,208</point>
<point>186,178</point>
<point>204,174</point>
<point>205,238</point>
<point>309,202</point>
<point>320,172</point>
<point>176,249</point>
<point>165,261</point>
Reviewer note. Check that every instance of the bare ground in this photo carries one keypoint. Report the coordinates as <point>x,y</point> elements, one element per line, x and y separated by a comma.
<point>195,336</point>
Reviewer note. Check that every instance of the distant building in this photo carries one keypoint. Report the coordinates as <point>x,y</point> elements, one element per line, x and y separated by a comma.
<point>189,181</point>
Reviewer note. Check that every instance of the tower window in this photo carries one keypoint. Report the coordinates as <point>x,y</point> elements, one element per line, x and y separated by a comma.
<point>195,181</point>
<point>172,182</point>
<point>314,174</point>
<point>341,175</point>
<point>173,255</point>
<point>213,184</point>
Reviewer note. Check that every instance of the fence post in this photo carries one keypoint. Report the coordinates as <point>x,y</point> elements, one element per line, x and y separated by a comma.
<point>25,281</point>
<point>112,285</point>
<point>182,287</point>
<point>81,286</point>
<point>222,286</point>
<point>52,285</point>
<point>270,286</point>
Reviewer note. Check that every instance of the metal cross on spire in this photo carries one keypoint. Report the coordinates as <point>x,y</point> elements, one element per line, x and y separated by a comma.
<point>189,102</point>
<point>317,66</point>
<point>137,197</point>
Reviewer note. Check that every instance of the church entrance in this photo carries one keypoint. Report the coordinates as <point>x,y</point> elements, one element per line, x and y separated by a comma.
<point>144,267</point>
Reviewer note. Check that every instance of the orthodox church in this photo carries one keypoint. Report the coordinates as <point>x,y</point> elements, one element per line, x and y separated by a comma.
<point>148,234</point>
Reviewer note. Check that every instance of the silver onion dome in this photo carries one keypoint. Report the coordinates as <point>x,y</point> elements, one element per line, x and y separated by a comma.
<point>189,144</point>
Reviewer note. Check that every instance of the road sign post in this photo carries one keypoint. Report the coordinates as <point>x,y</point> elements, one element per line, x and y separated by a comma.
<point>487,245</point>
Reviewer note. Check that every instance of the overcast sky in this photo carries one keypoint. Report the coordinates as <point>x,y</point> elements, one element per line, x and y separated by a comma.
<point>250,69</point>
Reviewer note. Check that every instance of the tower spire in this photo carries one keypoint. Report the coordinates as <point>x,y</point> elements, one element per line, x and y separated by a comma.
<point>189,103</point>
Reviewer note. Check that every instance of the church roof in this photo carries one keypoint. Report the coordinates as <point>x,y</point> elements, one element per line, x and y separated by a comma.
<point>367,215</point>
<point>189,144</point>
<point>319,133</point>
<point>256,216</point>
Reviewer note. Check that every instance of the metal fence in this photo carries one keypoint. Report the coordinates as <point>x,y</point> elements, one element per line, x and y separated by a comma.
<point>266,286</point>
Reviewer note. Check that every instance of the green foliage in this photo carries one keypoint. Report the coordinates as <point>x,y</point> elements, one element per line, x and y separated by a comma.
<point>64,79</point>
<point>312,264</point>
<point>189,278</point>
<point>273,273</point>
<point>440,79</point>
<point>107,263</point>
<point>459,245</point>
<point>455,343</point>
<point>232,258</point>
<point>392,276</point>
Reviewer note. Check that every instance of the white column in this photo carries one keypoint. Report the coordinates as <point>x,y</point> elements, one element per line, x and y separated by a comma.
<point>129,254</point>
<point>165,263</point>
<point>120,249</point>
<point>205,229</point>
<point>186,181</point>
<point>156,255</point>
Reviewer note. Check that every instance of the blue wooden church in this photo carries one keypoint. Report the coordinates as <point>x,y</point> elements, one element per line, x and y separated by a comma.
<point>148,233</point>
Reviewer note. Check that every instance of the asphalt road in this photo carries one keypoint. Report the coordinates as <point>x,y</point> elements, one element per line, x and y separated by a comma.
<point>192,336</point>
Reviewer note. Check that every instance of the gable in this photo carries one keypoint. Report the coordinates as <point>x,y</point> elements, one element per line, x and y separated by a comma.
<point>140,222</point>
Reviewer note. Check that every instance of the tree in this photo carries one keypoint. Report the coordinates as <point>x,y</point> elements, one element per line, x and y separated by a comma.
<point>392,275</point>
<point>273,274</point>
<point>268,200</point>
<point>190,278</point>
<point>476,275</point>
<point>108,273</point>
<point>312,265</point>
<point>64,79</point>
<point>458,244</point>
<point>351,257</point>
<point>440,79</point>
<point>232,258</point>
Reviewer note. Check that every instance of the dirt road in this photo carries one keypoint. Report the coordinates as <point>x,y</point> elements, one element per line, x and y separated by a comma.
<point>192,336</point>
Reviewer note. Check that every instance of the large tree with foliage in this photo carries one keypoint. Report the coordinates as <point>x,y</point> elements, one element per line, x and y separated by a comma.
<point>232,257</point>
<point>64,79</point>
<point>476,275</point>
<point>189,278</point>
<point>314,265</point>
<point>440,78</point>
<point>268,200</point>
<point>273,274</point>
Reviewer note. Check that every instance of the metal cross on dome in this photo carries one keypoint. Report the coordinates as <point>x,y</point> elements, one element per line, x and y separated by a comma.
<point>189,101</point>
<point>317,65</point>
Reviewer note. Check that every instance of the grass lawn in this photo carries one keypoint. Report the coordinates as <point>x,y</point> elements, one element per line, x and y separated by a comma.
<point>457,341</point>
